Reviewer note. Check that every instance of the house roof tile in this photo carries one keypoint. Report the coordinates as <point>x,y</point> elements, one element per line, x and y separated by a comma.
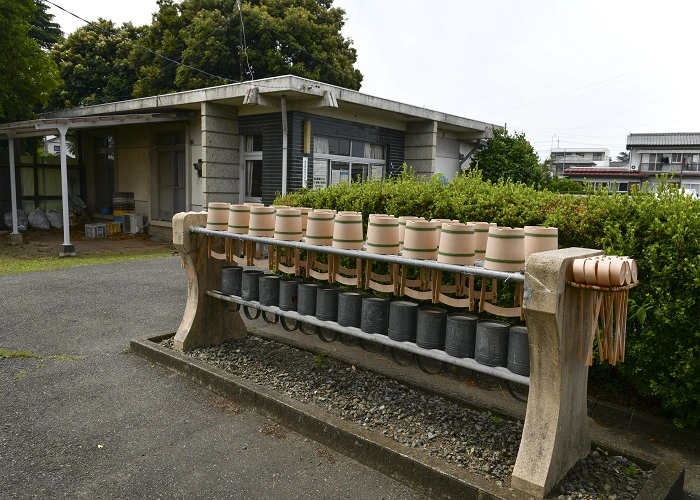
<point>666,139</point>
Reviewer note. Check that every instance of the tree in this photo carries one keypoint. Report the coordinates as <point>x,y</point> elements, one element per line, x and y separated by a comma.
<point>199,43</point>
<point>44,30</point>
<point>28,75</point>
<point>507,156</point>
<point>623,156</point>
<point>94,64</point>
<point>563,185</point>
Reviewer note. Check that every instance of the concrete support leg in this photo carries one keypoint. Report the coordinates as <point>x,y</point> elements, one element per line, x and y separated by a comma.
<point>206,321</point>
<point>555,434</point>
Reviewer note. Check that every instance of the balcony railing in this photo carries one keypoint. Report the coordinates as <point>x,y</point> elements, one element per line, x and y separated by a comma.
<point>661,168</point>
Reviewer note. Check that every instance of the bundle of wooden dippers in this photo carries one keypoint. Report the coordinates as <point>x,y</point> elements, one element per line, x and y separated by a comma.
<point>605,282</point>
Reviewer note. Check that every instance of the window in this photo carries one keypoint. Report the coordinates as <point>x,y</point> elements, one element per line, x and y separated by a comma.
<point>622,187</point>
<point>57,149</point>
<point>597,156</point>
<point>253,143</point>
<point>653,162</point>
<point>253,167</point>
<point>344,160</point>
<point>676,157</point>
<point>253,172</point>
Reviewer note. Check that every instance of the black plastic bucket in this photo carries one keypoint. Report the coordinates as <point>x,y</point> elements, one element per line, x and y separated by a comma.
<point>350,309</point>
<point>327,303</point>
<point>491,347</point>
<point>375,315</point>
<point>269,290</point>
<point>306,295</point>
<point>288,294</point>
<point>250,288</point>
<point>460,335</point>
<point>231,280</point>
<point>402,321</point>
<point>518,351</point>
<point>430,327</point>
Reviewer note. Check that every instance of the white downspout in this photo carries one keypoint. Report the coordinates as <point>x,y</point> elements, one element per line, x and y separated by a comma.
<point>284,145</point>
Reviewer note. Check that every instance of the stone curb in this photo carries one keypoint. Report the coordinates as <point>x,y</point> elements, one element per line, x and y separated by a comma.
<point>426,475</point>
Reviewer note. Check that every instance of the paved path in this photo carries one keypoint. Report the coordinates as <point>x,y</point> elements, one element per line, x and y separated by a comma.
<point>109,425</point>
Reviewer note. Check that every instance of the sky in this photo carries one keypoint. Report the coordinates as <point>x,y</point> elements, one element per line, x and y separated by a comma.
<point>566,73</point>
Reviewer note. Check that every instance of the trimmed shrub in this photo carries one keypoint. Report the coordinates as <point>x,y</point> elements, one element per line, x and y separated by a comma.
<point>661,232</point>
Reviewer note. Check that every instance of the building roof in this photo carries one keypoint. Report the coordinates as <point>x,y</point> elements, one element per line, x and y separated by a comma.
<point>603,171</point>
<point>666,139</point>
<point>573,160</point>
<point>50,126</point>
<point>264,95</point>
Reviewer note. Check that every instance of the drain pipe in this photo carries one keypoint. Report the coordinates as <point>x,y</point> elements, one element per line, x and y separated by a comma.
<point>284,145</point>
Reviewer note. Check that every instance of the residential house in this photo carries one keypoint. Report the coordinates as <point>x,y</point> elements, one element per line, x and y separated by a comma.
<point>676,154</point>
<point>563,158</point>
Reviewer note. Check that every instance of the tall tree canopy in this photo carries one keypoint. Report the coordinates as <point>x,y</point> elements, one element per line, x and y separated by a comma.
<point>510,156</point>
<point>28,75</point>
<point>44,30</point>
<point>94,64</point>
<point>200,43</point>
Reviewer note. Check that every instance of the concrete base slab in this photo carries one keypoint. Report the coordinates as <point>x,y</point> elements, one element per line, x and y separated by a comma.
<point>430,476</point>
<point>16,239</point>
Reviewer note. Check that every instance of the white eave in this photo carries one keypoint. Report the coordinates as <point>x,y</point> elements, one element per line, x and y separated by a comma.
<point>50,126</point>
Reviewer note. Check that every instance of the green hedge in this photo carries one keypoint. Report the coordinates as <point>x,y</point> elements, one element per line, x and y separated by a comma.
<point>661,233</point>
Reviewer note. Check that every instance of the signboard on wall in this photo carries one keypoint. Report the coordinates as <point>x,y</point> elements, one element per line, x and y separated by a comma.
<point>304,171</point>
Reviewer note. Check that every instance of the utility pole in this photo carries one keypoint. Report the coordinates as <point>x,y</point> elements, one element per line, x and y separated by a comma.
<point>240,42</point>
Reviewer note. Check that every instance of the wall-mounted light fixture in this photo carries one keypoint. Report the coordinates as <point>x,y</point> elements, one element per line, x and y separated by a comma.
<point>198,167</point>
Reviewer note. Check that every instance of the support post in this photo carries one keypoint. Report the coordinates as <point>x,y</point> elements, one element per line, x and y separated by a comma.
<point>555,434</point>
<point>67,249</point>
<point>206,321</point>
<point>15,236</point>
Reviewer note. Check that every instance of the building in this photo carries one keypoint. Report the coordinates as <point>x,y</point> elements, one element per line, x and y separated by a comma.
<point>676,154</point>
<point>235,143</point>
<point>563,158</point>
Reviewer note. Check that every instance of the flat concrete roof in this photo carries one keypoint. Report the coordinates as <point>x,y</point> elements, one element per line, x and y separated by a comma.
<point>294,88</point>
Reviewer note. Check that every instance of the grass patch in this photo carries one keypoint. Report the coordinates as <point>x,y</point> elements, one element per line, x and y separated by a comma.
<point>17,266</point>
<point>67,357</point>
<point>20,375</point>
<point>18,353</point>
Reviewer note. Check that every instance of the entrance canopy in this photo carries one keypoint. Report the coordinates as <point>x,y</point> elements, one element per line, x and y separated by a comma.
<point>59,127</point>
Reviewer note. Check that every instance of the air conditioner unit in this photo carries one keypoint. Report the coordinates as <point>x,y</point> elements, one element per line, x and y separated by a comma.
<point>133,223</point>
<point>633,167</point>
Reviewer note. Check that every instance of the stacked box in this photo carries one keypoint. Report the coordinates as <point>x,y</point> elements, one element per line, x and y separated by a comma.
<point>122,204</point>
<point>95,230</point>
<point>113,228</point>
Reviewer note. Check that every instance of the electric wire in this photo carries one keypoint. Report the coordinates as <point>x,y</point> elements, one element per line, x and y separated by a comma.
<point>245,44</point>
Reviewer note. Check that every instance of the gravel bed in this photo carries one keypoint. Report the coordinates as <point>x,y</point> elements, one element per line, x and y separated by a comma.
<point>480,442</point>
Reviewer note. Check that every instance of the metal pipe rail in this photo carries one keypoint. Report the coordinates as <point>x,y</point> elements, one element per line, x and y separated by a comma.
<point>363,254</point>
<point>497,371</point>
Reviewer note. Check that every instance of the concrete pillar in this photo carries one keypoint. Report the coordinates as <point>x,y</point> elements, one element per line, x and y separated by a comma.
<point>420,149</point>
<point>220,153</point>
<point>555,434</point>
<point>206,320</point>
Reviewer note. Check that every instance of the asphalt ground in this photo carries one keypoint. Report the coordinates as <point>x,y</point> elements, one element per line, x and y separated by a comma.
<point>91,420</point>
